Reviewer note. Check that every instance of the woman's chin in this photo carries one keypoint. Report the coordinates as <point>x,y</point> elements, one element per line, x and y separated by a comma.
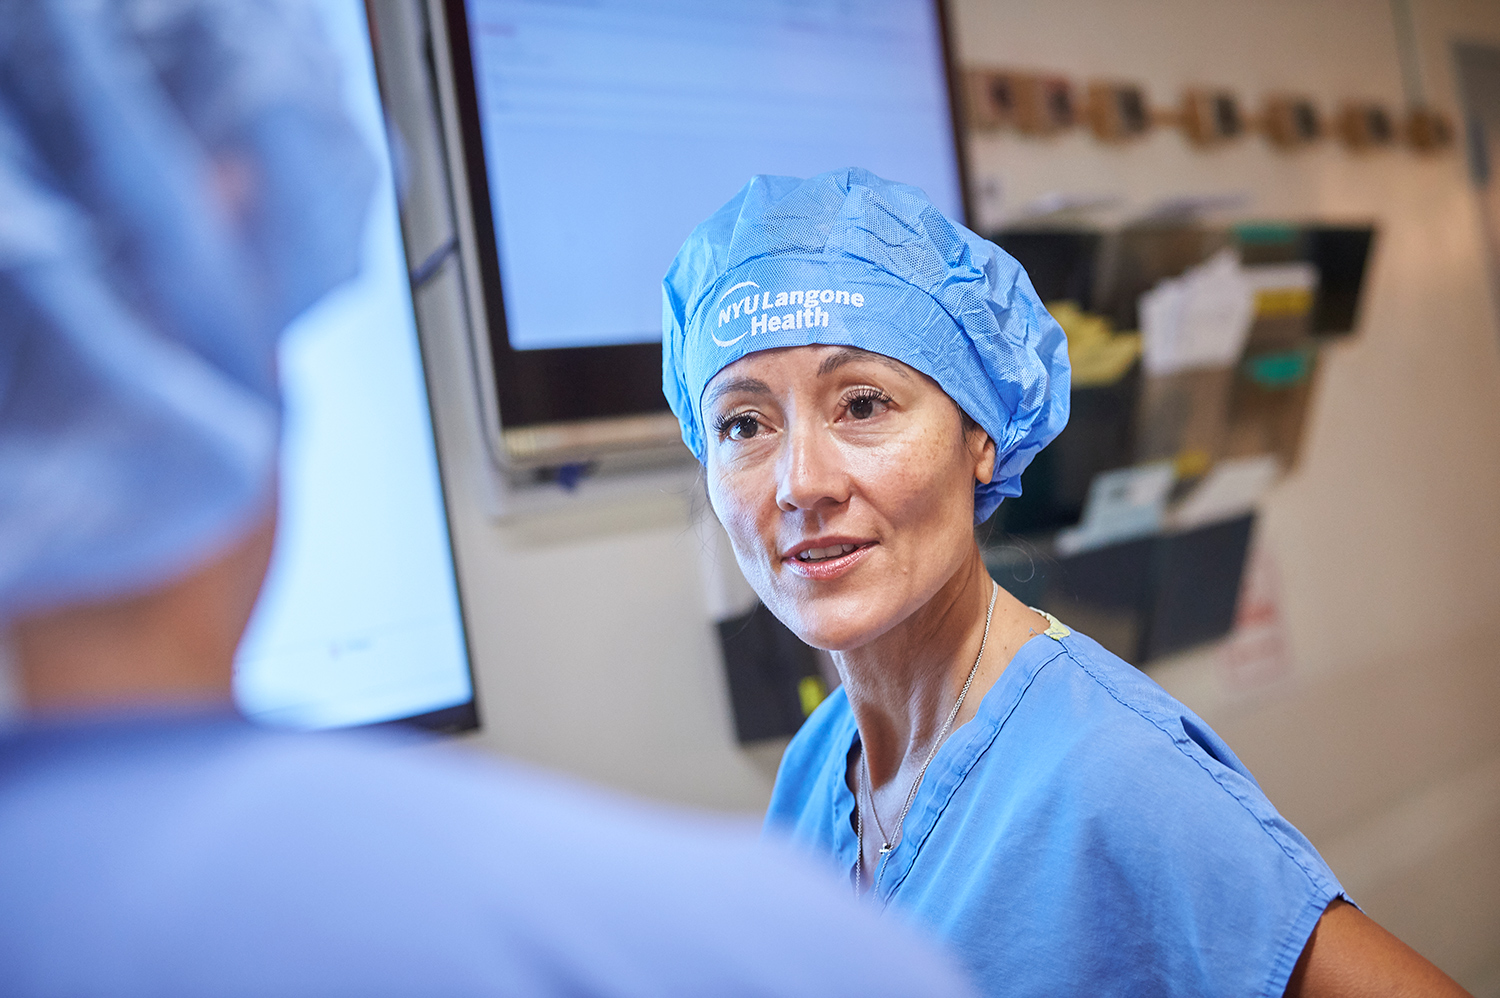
<point>835,631</point>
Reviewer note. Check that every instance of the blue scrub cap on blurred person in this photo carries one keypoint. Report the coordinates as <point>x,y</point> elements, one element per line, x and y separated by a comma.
<point>178,180</point>
<point>848,259</point>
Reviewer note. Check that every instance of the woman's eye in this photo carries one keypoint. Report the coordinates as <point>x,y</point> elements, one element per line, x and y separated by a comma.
<point>865,405</point>
<point>741,428</point>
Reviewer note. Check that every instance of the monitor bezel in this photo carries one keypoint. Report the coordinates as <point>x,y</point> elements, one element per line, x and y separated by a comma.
<point>463,716</point>
<point>610,387</point>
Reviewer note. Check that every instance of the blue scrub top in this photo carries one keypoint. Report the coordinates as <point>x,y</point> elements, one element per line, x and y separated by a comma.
<point>196,855</point>
<point>1084,834</point>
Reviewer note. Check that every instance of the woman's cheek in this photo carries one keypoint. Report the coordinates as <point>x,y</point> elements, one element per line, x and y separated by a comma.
<point>898,471</point>
<point>732,503</point>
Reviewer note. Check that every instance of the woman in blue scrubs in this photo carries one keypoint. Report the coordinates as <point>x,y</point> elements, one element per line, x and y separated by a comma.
<point>864,381</point>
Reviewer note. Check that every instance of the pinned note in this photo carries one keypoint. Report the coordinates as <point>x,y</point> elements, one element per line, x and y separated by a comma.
<point>1198,320</point>
<point>1233,488</point>
<point>1122,505</point>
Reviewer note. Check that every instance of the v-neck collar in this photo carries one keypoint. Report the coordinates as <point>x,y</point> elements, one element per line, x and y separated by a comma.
<point>953,762</point>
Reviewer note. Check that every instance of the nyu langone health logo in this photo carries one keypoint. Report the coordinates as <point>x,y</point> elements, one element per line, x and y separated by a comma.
<point>809,309</point>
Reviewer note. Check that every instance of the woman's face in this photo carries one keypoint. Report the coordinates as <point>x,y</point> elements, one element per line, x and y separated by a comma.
<point>846,482</point>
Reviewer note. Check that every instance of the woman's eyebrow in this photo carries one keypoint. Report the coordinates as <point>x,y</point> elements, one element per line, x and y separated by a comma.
<point>750,386</point>
<point>848,355</point>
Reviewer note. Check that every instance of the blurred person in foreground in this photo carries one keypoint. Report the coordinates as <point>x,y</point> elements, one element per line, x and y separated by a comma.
<point>177,182</point>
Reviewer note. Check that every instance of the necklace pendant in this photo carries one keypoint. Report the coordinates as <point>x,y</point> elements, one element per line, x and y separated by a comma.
<point>885,848</point>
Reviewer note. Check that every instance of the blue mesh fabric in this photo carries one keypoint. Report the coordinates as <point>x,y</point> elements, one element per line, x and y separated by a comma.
<point>178,180</point>
<point>848,259</point>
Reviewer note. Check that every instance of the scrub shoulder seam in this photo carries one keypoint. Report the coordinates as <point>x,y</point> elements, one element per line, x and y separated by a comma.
<point>1315,880</point>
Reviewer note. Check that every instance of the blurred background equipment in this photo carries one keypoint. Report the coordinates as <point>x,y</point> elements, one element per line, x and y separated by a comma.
<point>1428,130</point>
<point>1291,121</point>
<point>1043,104</point>
<point>1136,522</point>
<point>989,98</point>
<point>1116,111</point>
<point>1031,103</point>
<point>1211,116</point>
<point>1364,125</point>
<point>774,680</point>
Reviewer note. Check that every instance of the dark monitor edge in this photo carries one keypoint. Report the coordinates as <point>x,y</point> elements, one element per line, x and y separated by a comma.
<point>463,716</point>
<point>445,720</point>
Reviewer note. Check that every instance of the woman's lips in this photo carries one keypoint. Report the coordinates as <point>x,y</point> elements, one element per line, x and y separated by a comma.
<point>824,568</point>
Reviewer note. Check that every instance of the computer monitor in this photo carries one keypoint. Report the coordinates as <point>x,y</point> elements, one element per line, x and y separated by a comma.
<point>359,622</point>
<point>589,139</point>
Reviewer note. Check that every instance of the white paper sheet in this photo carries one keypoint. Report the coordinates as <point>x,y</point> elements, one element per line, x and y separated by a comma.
<point>1197,320</point>
<point>1233,488</point>
<point>1122,505</point>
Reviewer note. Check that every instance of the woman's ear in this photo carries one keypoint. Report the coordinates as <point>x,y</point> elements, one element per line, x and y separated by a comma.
<point>982,448</point>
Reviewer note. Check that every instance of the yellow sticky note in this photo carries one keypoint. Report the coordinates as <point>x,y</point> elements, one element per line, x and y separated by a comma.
<point>1282,303</point>
<point>811,691</point>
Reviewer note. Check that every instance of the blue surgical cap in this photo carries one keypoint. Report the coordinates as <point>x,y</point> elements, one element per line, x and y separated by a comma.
<point>178,180</point>
<point>848,259</point>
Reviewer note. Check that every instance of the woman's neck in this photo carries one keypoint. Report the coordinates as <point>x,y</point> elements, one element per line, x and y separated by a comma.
<point>902,685</point>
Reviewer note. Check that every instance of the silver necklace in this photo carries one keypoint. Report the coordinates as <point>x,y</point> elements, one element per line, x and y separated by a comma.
<point>866,784</point>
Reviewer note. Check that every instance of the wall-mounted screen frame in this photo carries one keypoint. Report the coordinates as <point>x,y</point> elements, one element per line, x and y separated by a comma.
<point>361,621</point>
<point>555,405</point>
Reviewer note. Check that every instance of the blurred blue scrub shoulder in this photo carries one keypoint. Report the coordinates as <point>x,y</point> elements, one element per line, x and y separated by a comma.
<point>178,181</point>
<point>848,259</point>
<point>239,861</point>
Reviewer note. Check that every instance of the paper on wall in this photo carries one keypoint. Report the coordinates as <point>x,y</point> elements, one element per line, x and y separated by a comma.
<point>1122,505</point>
<point>1198,320</point>
<point>1233,488</point>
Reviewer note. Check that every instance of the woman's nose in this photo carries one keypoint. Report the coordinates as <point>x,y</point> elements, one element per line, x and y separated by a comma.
<point>811,471</point>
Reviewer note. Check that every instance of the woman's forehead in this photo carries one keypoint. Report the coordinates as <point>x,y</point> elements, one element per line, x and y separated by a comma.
<point>814,360</point>
<point>764,372</point>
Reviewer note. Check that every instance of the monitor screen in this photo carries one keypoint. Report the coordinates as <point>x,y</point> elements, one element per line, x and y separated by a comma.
<point>598,135</point>
<point>359,621</point>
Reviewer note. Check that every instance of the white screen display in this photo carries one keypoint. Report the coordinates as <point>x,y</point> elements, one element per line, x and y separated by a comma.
<point>359,620</point>
<point>612,128</point>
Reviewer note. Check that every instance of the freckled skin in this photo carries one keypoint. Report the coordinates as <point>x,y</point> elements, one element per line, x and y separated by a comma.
<point>894,467</point>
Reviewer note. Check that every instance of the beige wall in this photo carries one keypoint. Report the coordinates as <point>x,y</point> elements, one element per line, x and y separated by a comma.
<point>590,621</point>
